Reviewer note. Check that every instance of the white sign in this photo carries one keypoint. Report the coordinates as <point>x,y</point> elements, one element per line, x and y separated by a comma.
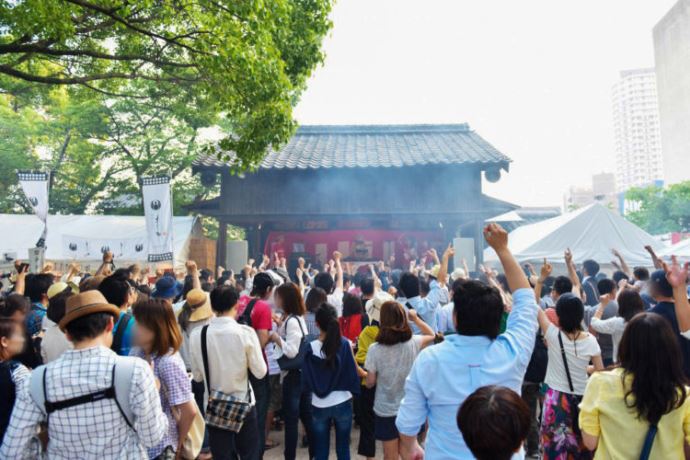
<point>35,187</point>
<point>158,212</point>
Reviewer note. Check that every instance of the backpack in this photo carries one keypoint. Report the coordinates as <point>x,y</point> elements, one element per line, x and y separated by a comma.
<point>7,388</point>
<point>246,316</point>
<point>122,325</point>
<point>119,390</point>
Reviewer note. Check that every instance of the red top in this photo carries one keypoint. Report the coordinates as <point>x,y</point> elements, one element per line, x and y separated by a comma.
<point>261,315</point>
<point>351,326</point>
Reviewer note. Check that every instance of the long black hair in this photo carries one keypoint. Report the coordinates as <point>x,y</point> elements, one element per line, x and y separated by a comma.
<point>649,352</point>
<point>327,320</point>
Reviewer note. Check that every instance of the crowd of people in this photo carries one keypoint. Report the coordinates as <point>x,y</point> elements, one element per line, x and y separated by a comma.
<point>425,362</point>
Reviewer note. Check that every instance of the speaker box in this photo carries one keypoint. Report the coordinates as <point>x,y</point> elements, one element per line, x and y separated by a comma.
<point>236,255</point>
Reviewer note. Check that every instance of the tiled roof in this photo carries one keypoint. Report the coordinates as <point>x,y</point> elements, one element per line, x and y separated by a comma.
<point>373,146</point>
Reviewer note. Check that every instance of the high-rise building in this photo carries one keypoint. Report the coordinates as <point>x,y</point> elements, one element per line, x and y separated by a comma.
<point>603,190</point>
<point>672,56</point>
<point>636,129</point>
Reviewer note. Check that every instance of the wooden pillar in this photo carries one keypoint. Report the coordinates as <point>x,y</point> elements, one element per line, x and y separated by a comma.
<point>221,243</point>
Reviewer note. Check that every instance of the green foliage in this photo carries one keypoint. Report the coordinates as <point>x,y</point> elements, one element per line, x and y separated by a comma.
<point>247,60</point>
<point>661,210</point>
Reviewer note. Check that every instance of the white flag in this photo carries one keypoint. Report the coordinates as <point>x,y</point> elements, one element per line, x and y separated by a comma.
<point>158,212</point>
<point>35,187</point>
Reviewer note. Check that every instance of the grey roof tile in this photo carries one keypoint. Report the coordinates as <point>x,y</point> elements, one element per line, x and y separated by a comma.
<point>376,146</point>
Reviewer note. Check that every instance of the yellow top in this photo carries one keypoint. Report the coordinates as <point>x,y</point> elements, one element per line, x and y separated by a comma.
<point>603,413</point>
<point>366,338</point>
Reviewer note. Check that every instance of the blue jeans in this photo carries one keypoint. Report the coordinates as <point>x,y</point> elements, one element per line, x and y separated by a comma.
<point>341,416</point>
<point>296,406</point>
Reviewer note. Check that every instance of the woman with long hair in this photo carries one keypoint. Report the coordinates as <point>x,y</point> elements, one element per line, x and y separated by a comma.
<point>641,407</point>
<point>330,373</point>
<point>630,303</point>
<point>394,344</point>
<point>571,350</point>
<point>157,339</point>
<point>296,401</point>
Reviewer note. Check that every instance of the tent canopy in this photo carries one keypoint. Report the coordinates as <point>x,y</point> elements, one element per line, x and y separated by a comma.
<point>590,232</point>
<point>20,232</point>
<point>680,249</point>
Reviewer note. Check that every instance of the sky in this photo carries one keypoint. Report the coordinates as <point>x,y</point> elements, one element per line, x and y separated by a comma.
<point>533,77</point>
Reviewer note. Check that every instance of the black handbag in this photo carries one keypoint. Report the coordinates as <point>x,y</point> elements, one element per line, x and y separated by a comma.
<point>289,364</point>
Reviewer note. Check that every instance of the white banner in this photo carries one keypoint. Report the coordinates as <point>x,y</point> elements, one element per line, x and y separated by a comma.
<point>81,248</point>
<point>158,212</point>
<point>35,187</point>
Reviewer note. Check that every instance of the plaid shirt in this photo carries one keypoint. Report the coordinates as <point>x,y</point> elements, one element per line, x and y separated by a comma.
<point>92,430</point>
<point>176,389</point>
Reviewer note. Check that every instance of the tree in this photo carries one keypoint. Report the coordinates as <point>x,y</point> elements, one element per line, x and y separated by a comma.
<point>246,60</point>
<point>660,210</point>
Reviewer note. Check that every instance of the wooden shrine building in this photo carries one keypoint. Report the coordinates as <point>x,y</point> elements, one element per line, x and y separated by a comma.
<point>368,191</point>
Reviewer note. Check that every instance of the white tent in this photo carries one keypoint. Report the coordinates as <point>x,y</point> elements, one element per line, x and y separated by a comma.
<point>19,232</point>
<point>680,249</point>
<point>590,232</point>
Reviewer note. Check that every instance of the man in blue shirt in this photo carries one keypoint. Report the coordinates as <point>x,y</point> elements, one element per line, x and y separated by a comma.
<point>444,375</point>
<point>662,292</point>
<point>426,307</point>
<point>119,292</point>
<point>37,286</point>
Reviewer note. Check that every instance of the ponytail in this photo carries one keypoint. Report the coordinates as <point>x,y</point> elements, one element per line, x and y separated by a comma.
<point>327,320</point>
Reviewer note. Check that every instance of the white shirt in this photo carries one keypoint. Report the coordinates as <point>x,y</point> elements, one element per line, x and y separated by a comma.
<point>336,299</point>
<point>334,397</point>
<point>291,333</point>
<point>578,353</point>
<point>233,349</point>
<point>612,326</point>
<point>54,342</point>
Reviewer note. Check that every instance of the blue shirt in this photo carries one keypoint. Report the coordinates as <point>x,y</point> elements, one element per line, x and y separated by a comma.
<point>425,306</point>
<point>459,366</point>
<point>126,345</point>
<point>34,320</point>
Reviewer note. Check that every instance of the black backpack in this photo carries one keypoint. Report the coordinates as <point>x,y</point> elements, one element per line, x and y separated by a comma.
<point>7,388</point>
<point>536,370</point>
<point>246,316</point>
<point>120,333</point>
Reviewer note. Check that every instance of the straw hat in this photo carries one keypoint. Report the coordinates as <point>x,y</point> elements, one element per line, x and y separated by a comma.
<point>198,302</point>
<point>56,288</point>
<point>434,271</point>
<point>84,304</point>
<point>374,305</point>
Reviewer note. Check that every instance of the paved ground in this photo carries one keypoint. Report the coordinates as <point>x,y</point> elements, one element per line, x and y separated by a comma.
<point>302,454</point>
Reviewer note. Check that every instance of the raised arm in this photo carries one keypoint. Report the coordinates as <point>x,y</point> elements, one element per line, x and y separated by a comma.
<point>623,264</point>
<point>677,276</point>
<point>572,273</point>
<point>546,271</point>
<point>193,271</point>
<point>658,263</point>
<point>497,238</point>
<point>443,272</point>
<point>338,270</point>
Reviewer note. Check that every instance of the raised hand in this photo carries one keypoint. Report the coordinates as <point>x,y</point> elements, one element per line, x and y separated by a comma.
<point>677,274</point>
<point>568,255</point>
<point>496,237</point>
<point>448,253</point>
<point>605,299</point>
<point>191,267</point>
<point>546,270</point>
<point>337,255</point>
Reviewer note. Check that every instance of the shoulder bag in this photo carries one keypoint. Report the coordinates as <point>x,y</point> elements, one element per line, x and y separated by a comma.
<point>223,411</point>
<point>575,408</point>
<point>289,364</point>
